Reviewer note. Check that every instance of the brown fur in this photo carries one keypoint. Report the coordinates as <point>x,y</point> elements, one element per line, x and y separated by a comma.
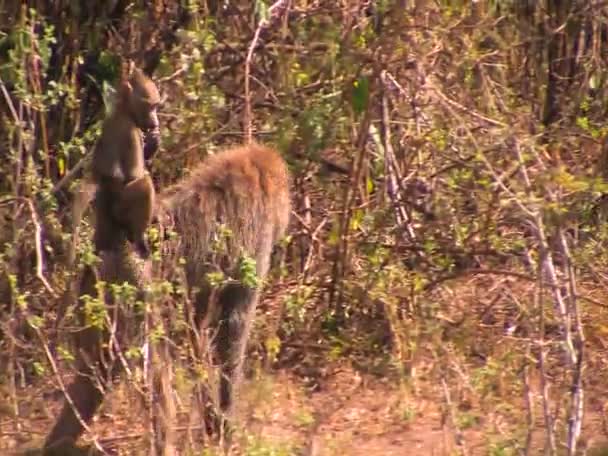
<point>125,193</point>
<point>247,190</point>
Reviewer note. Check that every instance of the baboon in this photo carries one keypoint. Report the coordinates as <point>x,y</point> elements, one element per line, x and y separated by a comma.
<point>125,193</point>
<point>243,191</point>
<point>246,191</point>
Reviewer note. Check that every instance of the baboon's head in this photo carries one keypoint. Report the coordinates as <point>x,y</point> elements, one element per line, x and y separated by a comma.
<point>140,97</point>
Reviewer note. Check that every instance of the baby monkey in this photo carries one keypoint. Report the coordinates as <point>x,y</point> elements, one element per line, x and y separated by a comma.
<point>125,192</point>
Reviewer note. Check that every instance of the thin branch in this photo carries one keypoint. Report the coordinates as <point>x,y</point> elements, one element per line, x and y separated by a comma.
<point>529,401</point>
<point>458,435</point>
<point>63,388</point>
<point>9,103</point>
<point>276,10</point>
<point>462,108</point>
<point>71,174</point>
<point>174,75</point>
<point>542,367</point>
<point>575,418</point>
<point>38,244</point>
<point>390,167</point>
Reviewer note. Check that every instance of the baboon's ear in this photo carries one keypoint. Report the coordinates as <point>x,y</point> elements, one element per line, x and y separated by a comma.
<point>125,90</point>
<point>130,67</point>
<point>127,67</point>
<point>124,85</point>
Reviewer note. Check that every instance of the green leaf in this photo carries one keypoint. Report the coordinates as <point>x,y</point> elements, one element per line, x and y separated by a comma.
<point>38,368</point>
<point>262,10</point>
<point>583,122</point>
<point>594,81</point>
<point>35,321</point>
<point>108,67</point>
<point>248,271</point>
<point>369,186</point>
<point>570,182</point>
<point>61,166</point>
<point>360,95</point>
<point>65,354</point>
<point>215,278</point>
<point>334,235</point>
<point>357,218</point>
<point>273,346</point>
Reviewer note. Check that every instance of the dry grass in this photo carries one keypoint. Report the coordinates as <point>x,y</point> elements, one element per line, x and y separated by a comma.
<point>342,408</point>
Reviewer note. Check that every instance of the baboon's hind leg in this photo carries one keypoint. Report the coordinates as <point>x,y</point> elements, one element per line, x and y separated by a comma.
<point>228,321</point>
<point>86,399</point>
<point>134,211</point>
<point>106,236</point>
<point>85,392</point>
<point>236,303</point>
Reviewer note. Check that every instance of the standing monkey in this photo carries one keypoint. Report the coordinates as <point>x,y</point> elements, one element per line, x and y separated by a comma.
<point>244,190</point>
<point>125,192</point>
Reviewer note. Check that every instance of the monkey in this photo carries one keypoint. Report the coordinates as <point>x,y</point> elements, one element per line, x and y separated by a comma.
<point>244,189</point>
<point>125,194</point>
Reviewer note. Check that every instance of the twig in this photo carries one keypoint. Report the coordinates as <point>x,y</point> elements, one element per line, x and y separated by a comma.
<point>38,243</point>
<point>460,107</point>
<point>9,103</point>
<point>177,73</point>
<point>575,416</point>
<point>70,174</point>
<point>276,10</point>
<point>18,119</point>
<point>458,437</point>
<point>36,83</point>
<point>529,401</point>
<point>390,168</point>
<point>504,272</point>
<point>544,381</point>
<point>68,398</point>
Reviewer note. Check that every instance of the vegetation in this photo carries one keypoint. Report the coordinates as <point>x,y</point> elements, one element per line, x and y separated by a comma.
<point>445,265</point>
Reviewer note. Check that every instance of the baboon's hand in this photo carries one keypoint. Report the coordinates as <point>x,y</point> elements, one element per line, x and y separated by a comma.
<point>151,143</point>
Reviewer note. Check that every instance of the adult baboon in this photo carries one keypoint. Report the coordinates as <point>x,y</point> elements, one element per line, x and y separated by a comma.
<point>125,192</point>
<point>240,195</point>
<point>245,191</point>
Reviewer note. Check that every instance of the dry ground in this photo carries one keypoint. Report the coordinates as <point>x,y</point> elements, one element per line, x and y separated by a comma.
<point>347,414</point>
<point>323,406</point>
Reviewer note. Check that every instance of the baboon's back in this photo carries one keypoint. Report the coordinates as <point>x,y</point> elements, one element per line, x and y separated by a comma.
<point>244,189</point>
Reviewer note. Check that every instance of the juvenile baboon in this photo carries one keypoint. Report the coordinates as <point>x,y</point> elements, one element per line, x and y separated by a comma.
<point>243,191</point>
<point>125,193</point>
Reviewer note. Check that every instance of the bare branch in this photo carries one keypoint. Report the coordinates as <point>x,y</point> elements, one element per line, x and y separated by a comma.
<point>276,10</point>
<point>63,388</point>
<point>71,174</point>
<point>38,245</point>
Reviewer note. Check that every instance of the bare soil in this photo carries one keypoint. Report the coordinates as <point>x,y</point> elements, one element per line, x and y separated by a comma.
<point>345,413</point>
